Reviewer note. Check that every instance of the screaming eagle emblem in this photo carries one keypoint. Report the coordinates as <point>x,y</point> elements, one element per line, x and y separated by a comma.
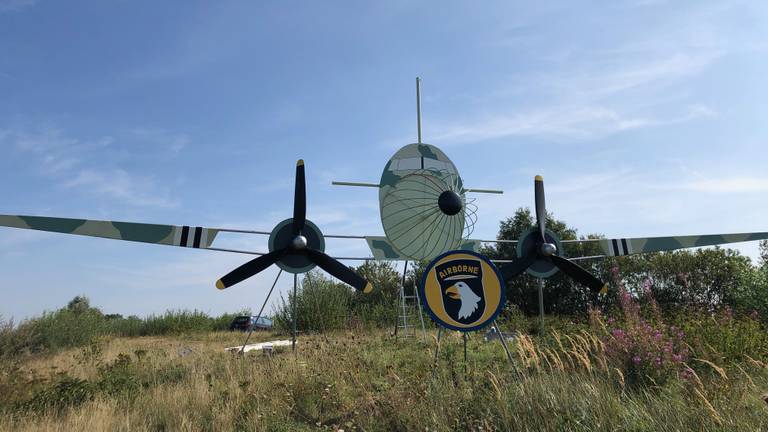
<point>462,290</point>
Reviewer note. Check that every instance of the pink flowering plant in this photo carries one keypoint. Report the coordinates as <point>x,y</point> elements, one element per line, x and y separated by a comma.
<point>644,347</point>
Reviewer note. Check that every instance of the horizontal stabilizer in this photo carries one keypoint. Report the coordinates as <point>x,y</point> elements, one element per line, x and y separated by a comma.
<point>171,235</point>
<point>382,249</point>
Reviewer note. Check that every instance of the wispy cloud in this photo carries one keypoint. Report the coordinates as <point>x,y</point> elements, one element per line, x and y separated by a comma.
<point>728,185</point>
<point>629,68</point>
<point>122,186</point>
<point>75,163</point>
<point>590,91</point>
<point>162,139</point>
<point>575,123</point>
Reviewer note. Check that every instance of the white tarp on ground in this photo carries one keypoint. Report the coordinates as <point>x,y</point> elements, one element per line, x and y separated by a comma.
<point>260,346</point>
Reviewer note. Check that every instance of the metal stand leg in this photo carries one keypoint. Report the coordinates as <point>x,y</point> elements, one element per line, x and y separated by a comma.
<point>418,308</point>
<point>250,332</point>
<point>503,341</point>
<point>541,306</point>
<point>293,341</point>
<point>401,299</point>
<point>437,351</point>
<point>464,336</point>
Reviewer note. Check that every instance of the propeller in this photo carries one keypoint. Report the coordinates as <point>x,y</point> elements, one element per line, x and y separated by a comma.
<point>296,246</point>
<point>545,250</point>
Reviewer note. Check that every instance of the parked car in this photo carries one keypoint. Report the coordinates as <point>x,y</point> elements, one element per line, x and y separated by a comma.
<point>245,323</point>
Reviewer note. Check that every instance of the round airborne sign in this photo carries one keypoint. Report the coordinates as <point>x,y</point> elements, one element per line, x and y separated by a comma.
<point>462,290</point>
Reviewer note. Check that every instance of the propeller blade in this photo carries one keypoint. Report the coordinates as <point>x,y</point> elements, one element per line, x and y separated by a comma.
<point>249,269</point>
<point>541,211</point>
<point>299,199</point>
<point>339,271</point>
<point>580,274</point>
<point>509,271</point>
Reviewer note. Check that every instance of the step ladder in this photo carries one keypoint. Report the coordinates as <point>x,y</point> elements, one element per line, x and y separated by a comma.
<point>410,317</point>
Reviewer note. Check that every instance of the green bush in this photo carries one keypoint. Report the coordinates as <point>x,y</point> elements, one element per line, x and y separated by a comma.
<point>65,392</point>
<point>751,294</point>
<point>325,304</point>
<point>51,331</point>
<point>724,337</point>
<point>121,378</point>
<point>321,304</point>
<point>176,322</point>
<point>79,324</point>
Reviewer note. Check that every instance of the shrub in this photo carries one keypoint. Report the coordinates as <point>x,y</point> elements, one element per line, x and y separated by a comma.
<point>121,378</point>
<point>176,322</point>
<point>63,393</point>
<point>78,324</point>
<point>51,331</point>
<point>320,303</point>
<point>725,336</point>
<point>751,294</point>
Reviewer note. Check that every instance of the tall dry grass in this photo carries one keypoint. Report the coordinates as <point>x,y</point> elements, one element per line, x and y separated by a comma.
<point>369,382</point>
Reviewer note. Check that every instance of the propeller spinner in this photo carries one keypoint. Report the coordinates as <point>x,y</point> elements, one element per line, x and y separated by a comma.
<point>538,251</point>
<point>296,245</point>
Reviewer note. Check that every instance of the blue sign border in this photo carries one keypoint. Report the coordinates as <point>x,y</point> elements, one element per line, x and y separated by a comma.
<point>438,321</point>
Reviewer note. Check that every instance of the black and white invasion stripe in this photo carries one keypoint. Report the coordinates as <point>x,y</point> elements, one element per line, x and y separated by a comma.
<point>619,247</point>
<point>191,237</point>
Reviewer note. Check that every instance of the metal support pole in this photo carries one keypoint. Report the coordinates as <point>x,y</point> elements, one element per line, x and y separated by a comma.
<point>418,308</point>
<point>293,341</point>
<point>401,298</point>
<point>503,341</point>
<point>464,336</point>
<point>242,349</point>
<point>541,306</point>
<point>418,107</point>
<point>437,351</point>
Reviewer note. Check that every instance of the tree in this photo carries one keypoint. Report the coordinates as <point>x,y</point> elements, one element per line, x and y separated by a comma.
<point>385,280</point>
<point>79,304</point>
<point>705,278</point>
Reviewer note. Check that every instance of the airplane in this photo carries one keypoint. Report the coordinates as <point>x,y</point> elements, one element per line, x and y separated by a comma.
<point>425,211</point>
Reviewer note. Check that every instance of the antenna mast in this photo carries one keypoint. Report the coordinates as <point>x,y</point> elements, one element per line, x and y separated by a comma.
<point>418,107</point>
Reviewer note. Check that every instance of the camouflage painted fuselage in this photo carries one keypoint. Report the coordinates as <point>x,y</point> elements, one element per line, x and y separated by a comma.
<point>409,189</point>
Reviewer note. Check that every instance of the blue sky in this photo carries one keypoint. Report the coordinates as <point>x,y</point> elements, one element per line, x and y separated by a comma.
<point>644,117</point>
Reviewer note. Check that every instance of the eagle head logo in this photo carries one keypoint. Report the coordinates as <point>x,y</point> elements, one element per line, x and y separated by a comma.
<point>469,300</point>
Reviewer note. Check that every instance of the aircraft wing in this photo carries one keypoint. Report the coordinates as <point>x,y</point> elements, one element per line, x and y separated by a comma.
<point>171,235</point>
<point>628,246</point>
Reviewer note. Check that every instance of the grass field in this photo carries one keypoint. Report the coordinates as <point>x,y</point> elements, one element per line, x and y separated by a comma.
<point>369,381</point>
